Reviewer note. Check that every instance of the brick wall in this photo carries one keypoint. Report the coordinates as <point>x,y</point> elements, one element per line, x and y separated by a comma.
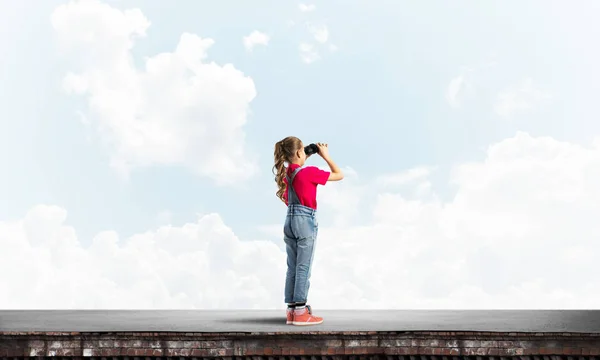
<point>333,344</point>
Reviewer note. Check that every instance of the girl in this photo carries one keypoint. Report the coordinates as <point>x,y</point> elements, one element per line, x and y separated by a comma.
<point>297,188</point>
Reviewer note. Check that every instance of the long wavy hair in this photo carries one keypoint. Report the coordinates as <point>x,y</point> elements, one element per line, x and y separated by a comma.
<point>284,152</point>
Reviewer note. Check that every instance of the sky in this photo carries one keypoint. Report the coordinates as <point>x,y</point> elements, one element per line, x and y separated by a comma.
<point>136,147</point>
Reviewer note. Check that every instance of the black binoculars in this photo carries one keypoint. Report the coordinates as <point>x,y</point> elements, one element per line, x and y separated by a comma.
<point>311,149</point>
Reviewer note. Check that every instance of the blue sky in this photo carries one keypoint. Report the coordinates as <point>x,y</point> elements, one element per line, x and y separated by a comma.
<point>397,86</point>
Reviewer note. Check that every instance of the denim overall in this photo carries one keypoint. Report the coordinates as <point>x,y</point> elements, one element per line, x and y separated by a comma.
<point>300,233</point>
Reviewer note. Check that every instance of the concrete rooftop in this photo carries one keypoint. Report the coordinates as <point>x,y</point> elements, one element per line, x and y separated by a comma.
<point>586,321</point>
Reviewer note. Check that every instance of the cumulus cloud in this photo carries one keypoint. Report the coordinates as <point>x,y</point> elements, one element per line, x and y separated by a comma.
<point>404,177</point>
<point>255,38</point>
<point>469,83</point>
<point>198,265</point>
<point>520,232</point>
<point>308,53</point>
<point>344,199</point>
<point>483,248</point>
<point>461,88</point>
<point>453,90</point>
<point>306,7</point>
<point>320,33</point>
<point>520,98</point>
<point>176,109</point>
<point>164,217</point>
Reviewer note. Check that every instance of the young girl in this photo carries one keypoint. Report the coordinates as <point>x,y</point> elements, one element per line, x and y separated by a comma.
<point>298,190</point>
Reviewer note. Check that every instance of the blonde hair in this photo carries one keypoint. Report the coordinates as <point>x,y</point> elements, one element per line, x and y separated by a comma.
<point>284,151</point>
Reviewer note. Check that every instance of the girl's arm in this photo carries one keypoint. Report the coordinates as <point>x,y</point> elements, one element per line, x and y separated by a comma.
<point>336,173</point>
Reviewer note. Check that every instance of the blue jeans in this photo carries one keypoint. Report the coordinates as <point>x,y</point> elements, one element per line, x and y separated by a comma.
<point>300,234</point>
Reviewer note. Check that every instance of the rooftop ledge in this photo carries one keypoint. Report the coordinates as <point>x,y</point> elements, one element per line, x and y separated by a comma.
<point>273,321</point>
<point>263,335</point>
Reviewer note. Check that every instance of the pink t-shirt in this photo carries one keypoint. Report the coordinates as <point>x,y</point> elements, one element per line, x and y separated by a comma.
<point>305,184</point>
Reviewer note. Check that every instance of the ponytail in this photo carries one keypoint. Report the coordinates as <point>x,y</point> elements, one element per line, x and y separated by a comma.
<point>279,170</point>
<point>284,151</point>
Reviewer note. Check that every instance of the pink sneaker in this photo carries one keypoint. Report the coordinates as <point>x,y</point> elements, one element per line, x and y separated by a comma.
<point>290,315</point>
<point>305,317</point>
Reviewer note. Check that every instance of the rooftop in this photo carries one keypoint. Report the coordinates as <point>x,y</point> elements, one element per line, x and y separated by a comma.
<point>555,321</point>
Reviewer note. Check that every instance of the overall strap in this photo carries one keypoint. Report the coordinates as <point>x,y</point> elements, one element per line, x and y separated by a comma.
<point>292,196</point>
<point>296,172</point>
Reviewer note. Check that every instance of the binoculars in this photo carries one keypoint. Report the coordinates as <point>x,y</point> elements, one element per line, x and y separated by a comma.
<point>311,149</point>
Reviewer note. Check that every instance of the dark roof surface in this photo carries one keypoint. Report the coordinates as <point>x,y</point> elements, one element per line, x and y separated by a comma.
<point>585,321</point>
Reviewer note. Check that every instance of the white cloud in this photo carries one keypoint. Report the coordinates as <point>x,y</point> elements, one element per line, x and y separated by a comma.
<point>198,265</point>
<point>519,233</point>
<point>519,98</point>
<point>320,33</point>
<point>343,199</point>
<point>481,249</point>
<point>306,7</point>
<point>255,38</point>
<point>164,217</point>
<point>404,177</point>
<point>468,83</point>
<point>308,53</point>
<point>178,109</point>
<point>454,89</point>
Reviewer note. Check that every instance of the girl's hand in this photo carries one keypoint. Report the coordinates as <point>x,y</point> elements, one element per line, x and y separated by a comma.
<point>323,150</point>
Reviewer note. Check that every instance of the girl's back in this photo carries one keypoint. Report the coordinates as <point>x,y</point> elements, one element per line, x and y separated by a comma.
<point>305,184</point>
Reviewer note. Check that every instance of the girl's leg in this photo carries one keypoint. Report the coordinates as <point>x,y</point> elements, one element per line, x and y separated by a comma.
<point>290,276</point>
<point>312,256</point>
<point>306,251</point>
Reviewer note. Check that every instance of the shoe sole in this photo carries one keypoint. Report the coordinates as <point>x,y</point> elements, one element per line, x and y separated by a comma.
<point>307,323</point>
